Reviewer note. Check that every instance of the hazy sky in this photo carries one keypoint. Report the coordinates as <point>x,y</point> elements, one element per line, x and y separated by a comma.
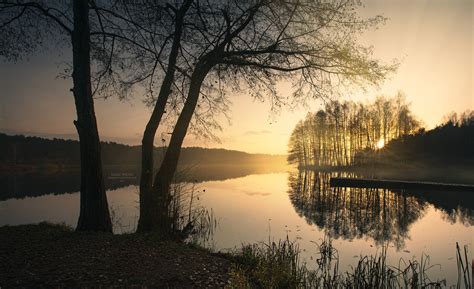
<point>434,40</point>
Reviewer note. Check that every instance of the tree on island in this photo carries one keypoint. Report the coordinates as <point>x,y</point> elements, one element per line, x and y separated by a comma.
<point>338,134</point>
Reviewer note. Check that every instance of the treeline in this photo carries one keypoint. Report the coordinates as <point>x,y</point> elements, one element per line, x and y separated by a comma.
<point>21,150</point>
<point>29,150</point>
<point>333,136</point>
<point>450,143</point>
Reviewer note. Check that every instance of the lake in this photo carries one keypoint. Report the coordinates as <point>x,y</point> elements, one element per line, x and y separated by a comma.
<point>255,206</point>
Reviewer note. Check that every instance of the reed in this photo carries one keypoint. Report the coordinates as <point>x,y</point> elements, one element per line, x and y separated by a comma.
<point>464,274</point>
<point>279,265</point>
<point>188,219</point>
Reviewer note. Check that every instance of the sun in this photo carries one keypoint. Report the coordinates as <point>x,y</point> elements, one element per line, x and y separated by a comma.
<point>380,143</point>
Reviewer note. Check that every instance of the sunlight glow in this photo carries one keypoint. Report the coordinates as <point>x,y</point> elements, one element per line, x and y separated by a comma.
<point>380,143</point>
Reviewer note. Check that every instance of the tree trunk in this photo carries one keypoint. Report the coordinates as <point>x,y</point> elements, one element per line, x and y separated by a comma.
<point>94,210</point>
<point>158,218</point>
<point>146,177</point>
<point>148,210</point>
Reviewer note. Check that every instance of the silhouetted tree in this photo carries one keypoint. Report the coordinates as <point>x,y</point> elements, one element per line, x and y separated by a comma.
<point>247,45</point>
<point>150,214</point>
<point>24,27</point>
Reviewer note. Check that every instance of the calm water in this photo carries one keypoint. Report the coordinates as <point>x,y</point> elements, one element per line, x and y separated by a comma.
<point>255,207</point>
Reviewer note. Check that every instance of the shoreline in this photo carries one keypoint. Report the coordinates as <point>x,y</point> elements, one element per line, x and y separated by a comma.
<point>439,173</point>
<point>397,184</point>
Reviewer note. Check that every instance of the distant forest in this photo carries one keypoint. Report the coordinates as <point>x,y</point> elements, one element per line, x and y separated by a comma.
<point>25,151</point>
<point>383,132</point>
<point>451,143</point>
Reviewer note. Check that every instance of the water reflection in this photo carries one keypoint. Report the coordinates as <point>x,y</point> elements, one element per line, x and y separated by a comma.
<point>381,214</point>
<point>35,184</point>
<point>255,208</point>
<point>21,185</point>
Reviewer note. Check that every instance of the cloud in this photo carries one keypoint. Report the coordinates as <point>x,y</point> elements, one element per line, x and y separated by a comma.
<point>256,132</point>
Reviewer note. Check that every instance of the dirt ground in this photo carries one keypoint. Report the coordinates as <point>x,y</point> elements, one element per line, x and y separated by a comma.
<point>50,256</point>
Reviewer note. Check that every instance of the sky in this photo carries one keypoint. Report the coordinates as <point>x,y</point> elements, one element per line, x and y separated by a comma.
<point>433,39</point>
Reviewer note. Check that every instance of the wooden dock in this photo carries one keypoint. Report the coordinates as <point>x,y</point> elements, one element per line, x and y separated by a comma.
<point>398,184</point>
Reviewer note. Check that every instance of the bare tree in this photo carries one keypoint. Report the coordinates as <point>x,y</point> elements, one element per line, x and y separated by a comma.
<point>228,46</point>
<point>88,29</point>
<point>148,212</point>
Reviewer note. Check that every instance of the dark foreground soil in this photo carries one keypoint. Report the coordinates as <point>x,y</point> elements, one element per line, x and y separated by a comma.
<point>49,256</point>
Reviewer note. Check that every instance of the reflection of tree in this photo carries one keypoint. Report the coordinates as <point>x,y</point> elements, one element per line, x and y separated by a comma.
<point>352,212</point>
<point>455,206</point>
<point>459,214</point>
